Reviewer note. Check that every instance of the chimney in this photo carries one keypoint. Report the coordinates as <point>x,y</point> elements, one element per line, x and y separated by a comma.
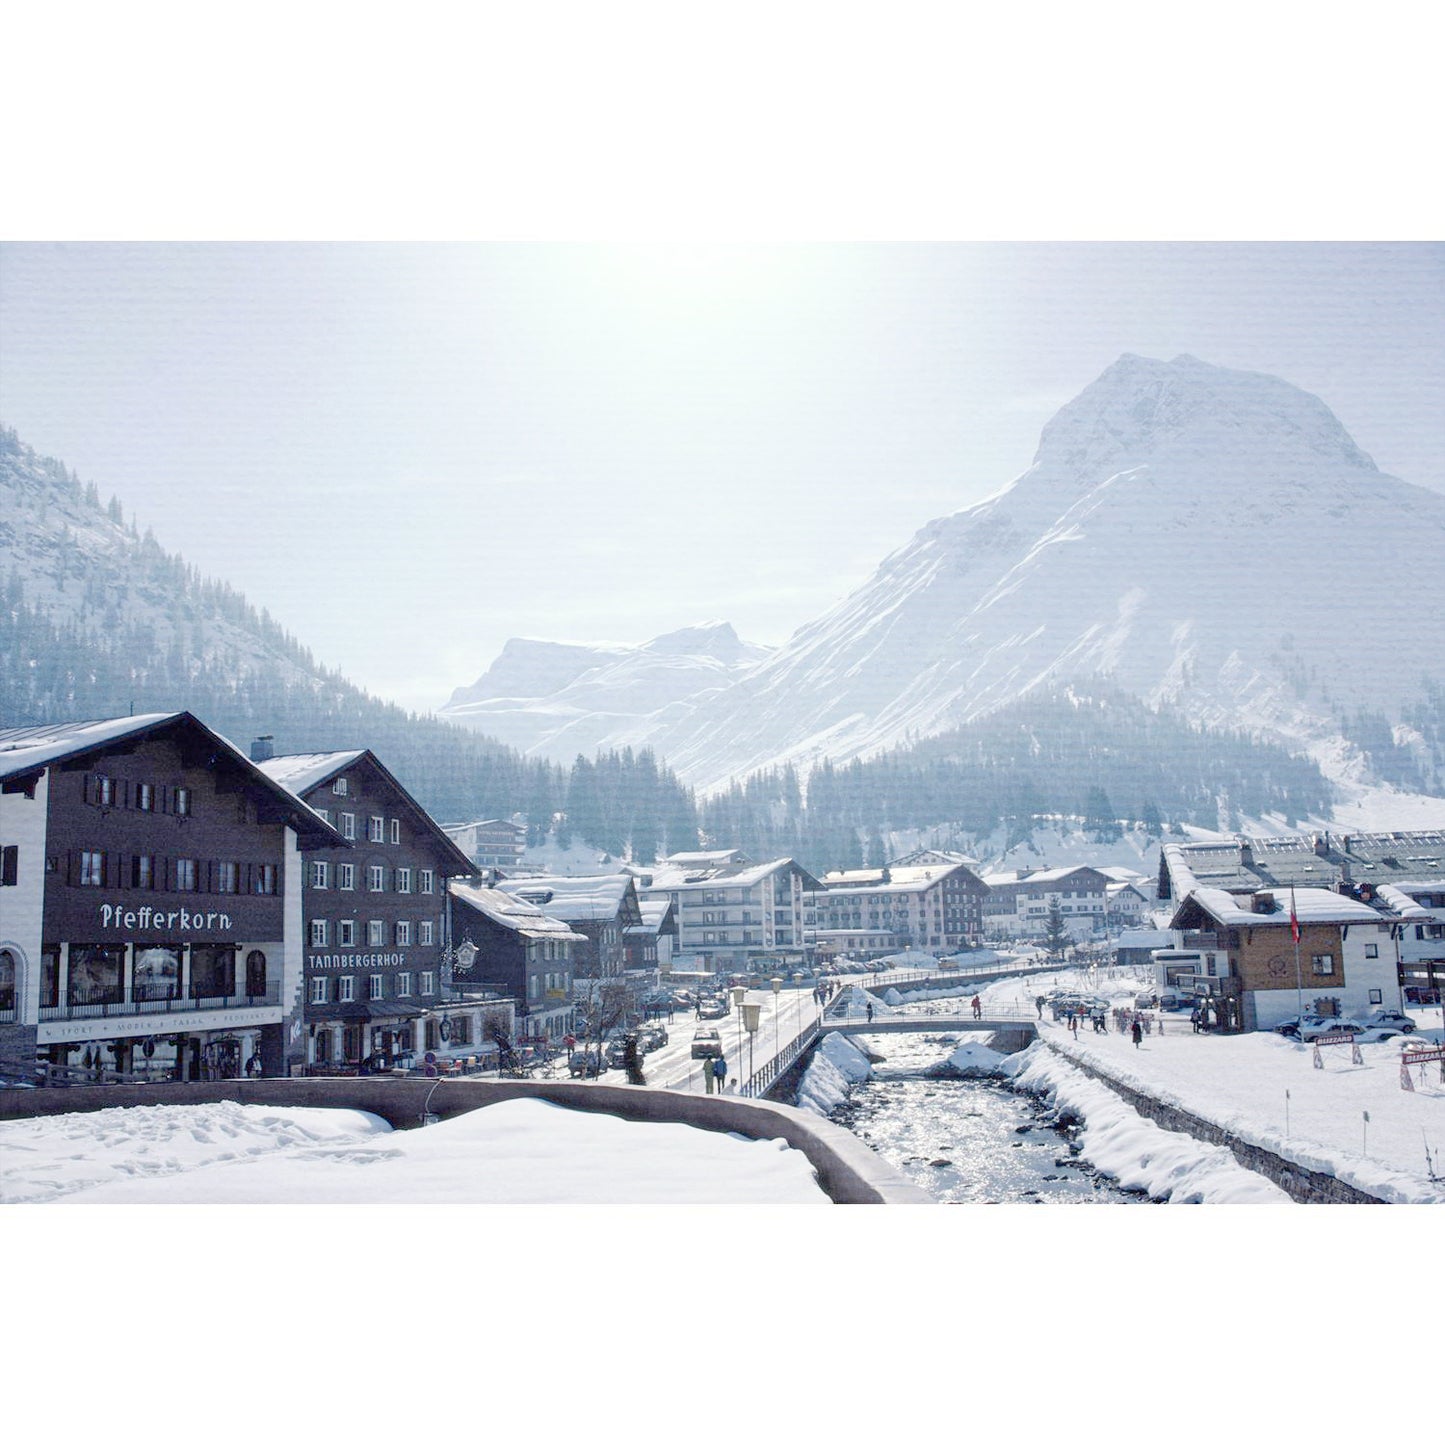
<point>1246,852</point>
<point>263,749</point>
<point>1321,844</point>
<point>1262,903</point>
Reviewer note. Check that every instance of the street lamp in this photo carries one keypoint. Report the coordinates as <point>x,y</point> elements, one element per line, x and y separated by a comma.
<point>777,991</point>
<point>739,993</point>
<point>750,1012</point>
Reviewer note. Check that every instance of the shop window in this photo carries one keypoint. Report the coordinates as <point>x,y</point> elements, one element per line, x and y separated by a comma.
<point>156,973</point>
<point>8,971</point>
<point>255,973</point>
<point>96,973</point>
<point>213,971</point>
<point>50,978</point>
<point>323,1046</point>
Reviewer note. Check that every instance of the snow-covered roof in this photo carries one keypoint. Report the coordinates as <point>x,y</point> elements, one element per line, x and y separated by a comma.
<point>31,749</point>
<point>1396,897</point>
<point>1311,905</point>
<point>738,876</point>
<point>300,772</point>
<point>25,750</point>
<point>578,900</point>
<point>718,858</point>
<point>902,878</point>
<point>655,913</point>
<point>513,913</point>
<point>1146,938</point>
<point>1041,875</point>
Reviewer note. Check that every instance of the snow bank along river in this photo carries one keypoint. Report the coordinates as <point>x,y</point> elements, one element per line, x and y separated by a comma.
<point>1029,1129</point>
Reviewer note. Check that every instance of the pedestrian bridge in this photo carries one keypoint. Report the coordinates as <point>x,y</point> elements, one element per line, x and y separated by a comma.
<point>991,1021</point>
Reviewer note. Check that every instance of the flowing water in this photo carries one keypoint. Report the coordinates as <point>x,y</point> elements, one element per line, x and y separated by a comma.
<point>967,1141</point>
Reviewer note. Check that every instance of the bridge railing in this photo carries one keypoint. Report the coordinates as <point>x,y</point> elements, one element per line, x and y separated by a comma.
<point>759,1083</point>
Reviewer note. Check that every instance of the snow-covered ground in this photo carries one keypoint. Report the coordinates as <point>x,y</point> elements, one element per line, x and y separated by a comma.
<point>1246,1082</point>
<point>525,1151</point>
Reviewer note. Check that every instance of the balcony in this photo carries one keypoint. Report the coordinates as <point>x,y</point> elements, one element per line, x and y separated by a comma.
<point>102,1003</point>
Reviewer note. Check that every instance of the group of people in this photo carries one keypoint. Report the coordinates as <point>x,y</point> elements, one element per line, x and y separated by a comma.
<point>714,1074</point>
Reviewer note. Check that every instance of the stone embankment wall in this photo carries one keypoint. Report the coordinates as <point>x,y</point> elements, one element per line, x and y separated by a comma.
<point>848,1171</point>
<point>1304,1186</point>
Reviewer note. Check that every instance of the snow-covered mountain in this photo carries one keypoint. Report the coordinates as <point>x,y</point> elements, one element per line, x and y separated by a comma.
<point>1204,537</point>
<point>558,699</point>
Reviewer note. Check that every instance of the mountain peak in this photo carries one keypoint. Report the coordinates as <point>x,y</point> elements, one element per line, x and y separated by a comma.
<point>1141,410</point>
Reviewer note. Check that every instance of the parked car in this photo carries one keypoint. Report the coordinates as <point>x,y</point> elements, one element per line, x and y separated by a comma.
<point>1389,1018</point>
<point>1313,1026</point>
<point>706,1044</point>
<point>651,1036</point>
<point>616,1053</point>
<point>584,1064</point>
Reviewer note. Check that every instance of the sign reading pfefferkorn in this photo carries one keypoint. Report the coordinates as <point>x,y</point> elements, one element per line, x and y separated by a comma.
<point>181,920</point>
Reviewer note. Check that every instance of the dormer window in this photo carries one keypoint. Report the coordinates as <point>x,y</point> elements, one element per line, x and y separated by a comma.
<point>340,788</point>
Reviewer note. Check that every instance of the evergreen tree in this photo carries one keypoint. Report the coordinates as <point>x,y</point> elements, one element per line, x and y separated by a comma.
<point>1056,935</point>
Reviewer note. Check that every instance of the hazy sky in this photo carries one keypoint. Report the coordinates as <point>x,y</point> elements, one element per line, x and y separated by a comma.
<point>409,453</point>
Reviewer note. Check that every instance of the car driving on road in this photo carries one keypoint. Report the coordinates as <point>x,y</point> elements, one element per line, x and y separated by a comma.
<point>706,1044</point>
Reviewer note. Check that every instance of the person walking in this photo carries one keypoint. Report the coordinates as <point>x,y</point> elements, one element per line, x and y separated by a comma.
<point>1039,1004</point>
<point>1136,1032</point>
<point>870,1013</point>
<point>707,1074</point>
<point>720,1072</point>
<point>977,1007</point>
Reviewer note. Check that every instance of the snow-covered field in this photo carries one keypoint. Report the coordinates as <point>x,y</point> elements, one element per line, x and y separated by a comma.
<point>525,1151</point>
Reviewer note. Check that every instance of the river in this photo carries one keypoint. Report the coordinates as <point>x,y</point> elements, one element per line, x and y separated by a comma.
<point>967,1141</point>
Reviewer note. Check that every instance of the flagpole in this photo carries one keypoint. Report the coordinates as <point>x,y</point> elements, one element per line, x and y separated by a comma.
<point>1299,996</point>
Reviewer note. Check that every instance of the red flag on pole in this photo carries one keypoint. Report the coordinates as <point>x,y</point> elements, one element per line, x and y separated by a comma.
<point>1294,927</point>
